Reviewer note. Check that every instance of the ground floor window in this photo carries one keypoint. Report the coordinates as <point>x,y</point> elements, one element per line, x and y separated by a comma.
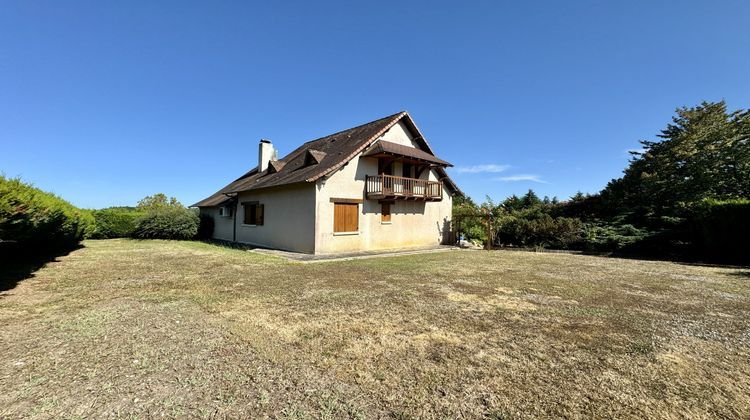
<point>385,212</point>
<point>345,217</point>
<point>253,213</point>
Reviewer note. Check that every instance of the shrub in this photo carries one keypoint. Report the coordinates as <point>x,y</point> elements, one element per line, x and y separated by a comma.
<point>33,221</point>
<point>167,223</point>
<point>534,227</point>
<point>206,227</point>
<point>610,237</point>
<point>114,222</point>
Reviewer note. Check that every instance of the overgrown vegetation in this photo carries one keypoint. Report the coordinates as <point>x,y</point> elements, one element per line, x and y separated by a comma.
<point>684,195</point>
<point>35,222</point>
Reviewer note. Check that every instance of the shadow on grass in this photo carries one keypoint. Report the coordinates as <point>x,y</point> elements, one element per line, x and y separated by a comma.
<point>14,269</point>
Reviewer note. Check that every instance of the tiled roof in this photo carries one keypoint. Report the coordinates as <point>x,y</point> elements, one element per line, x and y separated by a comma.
<point>331,152</point>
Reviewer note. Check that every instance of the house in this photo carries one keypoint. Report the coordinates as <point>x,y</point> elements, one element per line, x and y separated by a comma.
<point>374,186</point>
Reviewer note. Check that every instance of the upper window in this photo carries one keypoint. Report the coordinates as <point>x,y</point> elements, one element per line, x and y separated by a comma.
<point>385,167</point>
<point>406,169</point>
<point>345,217</point>
<point>253,213</point>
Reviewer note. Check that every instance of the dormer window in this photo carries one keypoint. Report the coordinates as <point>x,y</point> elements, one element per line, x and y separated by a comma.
<point>314,157</point>
<point>275,166</point>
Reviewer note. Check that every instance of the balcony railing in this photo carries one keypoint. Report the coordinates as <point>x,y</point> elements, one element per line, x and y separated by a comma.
<point>396,187</point>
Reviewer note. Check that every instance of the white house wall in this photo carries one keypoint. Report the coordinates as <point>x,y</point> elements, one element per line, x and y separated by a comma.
<point>413,223</point>
<point>289,218</point>
<point>222,225</point>
<point>400,134</point>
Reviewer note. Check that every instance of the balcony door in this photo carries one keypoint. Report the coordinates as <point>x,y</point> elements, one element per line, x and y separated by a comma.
<point>406,171</point>
<point>385,167</point>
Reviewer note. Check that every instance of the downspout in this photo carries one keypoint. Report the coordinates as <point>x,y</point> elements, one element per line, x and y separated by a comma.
<point>234,217</point>
<point>234,222</point>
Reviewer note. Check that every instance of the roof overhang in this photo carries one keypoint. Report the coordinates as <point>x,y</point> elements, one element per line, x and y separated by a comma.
<point>383,148</point>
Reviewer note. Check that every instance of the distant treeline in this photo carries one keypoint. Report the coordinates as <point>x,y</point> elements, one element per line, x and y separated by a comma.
<point>685,196</point>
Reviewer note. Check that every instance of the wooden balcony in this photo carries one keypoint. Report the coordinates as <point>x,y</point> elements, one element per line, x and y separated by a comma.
<point>389,187</point>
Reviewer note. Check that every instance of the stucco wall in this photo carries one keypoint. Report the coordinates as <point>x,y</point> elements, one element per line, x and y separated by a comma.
<point>400,134</point>
<point>222,225</point>
<point>289,218</point>
<point>413,223</point>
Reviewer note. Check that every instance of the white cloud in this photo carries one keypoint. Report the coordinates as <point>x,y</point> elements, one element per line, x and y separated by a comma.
<point>522,177</point>
<point>476,169</point>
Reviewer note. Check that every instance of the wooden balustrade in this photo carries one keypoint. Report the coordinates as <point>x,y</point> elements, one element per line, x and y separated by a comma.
<point>397,187</point>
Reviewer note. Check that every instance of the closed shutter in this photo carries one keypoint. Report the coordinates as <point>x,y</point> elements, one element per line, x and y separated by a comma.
<point>385,212</point>
<point>345,217</point>
<point>259,215</point>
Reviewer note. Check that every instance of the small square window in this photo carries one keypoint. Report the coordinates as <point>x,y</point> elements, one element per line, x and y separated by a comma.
<point>385,212</point>
<point>225,211</point>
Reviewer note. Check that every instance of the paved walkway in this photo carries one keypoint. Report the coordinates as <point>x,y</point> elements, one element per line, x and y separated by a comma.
<point>345,256</point>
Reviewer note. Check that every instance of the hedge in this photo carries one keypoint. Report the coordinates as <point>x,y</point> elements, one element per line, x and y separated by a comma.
<point>115,222</point>
<point>167,223</point>
<point>33,222</point>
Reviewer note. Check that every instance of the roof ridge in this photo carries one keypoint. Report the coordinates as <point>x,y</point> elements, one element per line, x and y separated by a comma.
<point>398,114</point>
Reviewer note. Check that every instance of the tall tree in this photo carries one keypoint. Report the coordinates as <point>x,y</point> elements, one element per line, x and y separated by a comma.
<point>703,153</point>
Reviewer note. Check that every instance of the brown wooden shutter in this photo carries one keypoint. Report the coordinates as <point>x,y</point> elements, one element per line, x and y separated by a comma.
<point>345,217</point>
<point>385,212</point>
<point>259,214</point>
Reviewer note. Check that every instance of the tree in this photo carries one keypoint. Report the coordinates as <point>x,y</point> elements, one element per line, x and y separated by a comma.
<point>512,203</point>
<point>530,199</point>
<point>165,218</point>
<point>158,201</point>
<point>703,154</point>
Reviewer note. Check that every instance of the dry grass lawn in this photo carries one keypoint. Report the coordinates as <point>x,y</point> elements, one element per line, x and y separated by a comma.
<point>126,328</point>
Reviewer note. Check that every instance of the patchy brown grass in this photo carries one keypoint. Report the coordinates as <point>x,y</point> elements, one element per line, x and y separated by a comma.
<point>127,328</point>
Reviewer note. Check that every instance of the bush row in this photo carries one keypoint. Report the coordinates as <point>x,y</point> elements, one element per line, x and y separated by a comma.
<point>115,222</point>
<point>708,230</point>
<point>171,221</point>
<point>167,223</point>
<point>33,221</point>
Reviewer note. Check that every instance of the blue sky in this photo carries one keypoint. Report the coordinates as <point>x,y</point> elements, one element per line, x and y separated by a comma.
<point>105,102</point>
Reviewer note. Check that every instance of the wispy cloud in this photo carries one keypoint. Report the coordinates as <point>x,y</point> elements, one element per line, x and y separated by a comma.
<point>477,169</point>
<point>522,177</point>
